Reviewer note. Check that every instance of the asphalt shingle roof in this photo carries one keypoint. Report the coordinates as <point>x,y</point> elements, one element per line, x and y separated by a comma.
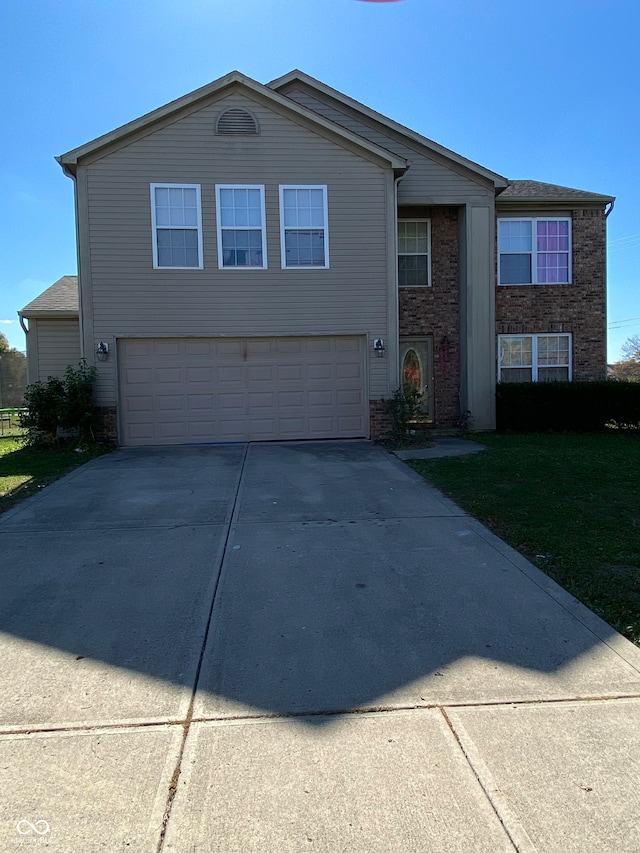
<point>61,297</point>
<point>540,190</point>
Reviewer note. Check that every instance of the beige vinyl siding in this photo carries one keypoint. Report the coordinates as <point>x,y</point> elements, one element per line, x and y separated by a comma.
<point>428,180</point>
<point>131,299</point>
<point>56,344</point>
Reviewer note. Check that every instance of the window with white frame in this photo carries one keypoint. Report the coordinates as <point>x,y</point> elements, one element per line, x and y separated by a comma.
<point>241,226</point>
<point>414,252</point>
<point>304,227</point>
<point>534,358</point>
<point>534,251</point>
<point>176,222</point>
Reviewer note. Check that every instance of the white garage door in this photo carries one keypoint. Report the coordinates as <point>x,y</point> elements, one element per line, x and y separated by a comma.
<point>184,390</point>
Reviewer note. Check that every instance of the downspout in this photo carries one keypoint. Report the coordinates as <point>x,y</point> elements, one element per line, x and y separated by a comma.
<point>607,212</point>
<point>396,297</point>
<point>25,329</point>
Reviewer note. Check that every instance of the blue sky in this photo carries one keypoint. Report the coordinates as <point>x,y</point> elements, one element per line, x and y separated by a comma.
<point>544,90</point>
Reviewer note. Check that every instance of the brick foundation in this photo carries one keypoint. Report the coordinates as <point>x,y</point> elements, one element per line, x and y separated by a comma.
<point>380,421</point>
<point>106,428</point>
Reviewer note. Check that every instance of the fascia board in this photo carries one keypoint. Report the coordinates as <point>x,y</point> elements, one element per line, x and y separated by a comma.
<point>499,181</point>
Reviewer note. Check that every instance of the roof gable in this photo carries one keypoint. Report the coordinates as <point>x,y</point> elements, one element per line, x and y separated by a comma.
<point>212,91</point>
<point>428,145</point>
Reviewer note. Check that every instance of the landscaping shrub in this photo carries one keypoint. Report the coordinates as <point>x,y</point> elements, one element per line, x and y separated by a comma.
<point>404,408</point>
<point>567,406</point>
<point>60,404</point>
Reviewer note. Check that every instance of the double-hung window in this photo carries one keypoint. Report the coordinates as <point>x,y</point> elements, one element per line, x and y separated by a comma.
<point>534,358</point>
<point>176,222</point>
<point>534,251</point>
<point>241,226</point>
<point>304,227</point>
<point>414,253</point>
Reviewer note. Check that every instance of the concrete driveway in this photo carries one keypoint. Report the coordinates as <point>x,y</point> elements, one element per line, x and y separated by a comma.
<point>292,647</point>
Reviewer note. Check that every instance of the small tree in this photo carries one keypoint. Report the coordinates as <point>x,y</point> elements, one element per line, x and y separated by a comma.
<point>404,408</point>
<point>78,411</point>
<point>628,368</point>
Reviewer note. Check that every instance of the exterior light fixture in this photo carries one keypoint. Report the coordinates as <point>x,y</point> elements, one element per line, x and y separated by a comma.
<point>379,347</point>
<point>102,352</point>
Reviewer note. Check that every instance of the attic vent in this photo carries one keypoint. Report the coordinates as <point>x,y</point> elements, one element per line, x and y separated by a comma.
<point>236,121</point>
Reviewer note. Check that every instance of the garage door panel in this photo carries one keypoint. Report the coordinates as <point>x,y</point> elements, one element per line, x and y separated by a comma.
<point>194,390</point>
<point>320,372</point>
<point>165,375</point>
<point>200,374</point>
<point>197,402</point>
<point>261,373</point>
<point>164,349</point>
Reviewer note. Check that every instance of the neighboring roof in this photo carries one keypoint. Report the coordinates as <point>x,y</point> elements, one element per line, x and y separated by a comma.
<point>300,76</point>
<point>69,160</point>
<point>526,191</point>
<point>59,300</point>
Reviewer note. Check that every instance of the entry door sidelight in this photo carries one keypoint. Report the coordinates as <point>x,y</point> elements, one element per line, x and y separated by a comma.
<point>416,370</point>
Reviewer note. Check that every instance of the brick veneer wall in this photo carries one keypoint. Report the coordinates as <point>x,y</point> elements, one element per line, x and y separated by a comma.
<point>435,310</point>
<point>578,308</point>
<point>107,424</point>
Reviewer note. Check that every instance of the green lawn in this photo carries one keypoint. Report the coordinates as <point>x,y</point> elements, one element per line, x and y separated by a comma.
<point>25,471</point>
<point>570,503</point>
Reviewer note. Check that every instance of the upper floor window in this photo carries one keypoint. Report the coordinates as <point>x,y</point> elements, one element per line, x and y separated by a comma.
<point>414,252</point>
<point>176,226</point>
<point>534,358</point>
<point>241,232</point>
<point>304,227</point>
<point>534,251</point>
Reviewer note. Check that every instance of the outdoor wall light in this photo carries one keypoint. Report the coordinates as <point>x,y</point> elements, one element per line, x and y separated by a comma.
<point>379,347</point>
<point>102,352</point>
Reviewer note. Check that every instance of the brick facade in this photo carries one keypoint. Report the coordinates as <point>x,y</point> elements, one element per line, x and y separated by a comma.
<point>107,424</point>
<point>578,308</point>
<point>434,311</point>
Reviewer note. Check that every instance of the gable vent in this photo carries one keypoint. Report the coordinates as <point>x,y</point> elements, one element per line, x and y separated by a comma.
<point>236,121</point>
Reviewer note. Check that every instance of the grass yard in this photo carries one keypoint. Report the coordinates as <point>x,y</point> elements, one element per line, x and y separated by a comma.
<point>25,471</point>
<point>570,503</point>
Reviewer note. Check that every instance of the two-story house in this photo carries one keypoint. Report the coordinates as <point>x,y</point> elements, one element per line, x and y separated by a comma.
<point>264,262</point>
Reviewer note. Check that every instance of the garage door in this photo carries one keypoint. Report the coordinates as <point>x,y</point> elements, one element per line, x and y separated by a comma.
<point>184,390</point>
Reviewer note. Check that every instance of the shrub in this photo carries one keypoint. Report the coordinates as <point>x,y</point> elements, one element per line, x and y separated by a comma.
<point>41,417</point>
<point>404,408</point>
<point>60,404</point>
<point>567,406</point>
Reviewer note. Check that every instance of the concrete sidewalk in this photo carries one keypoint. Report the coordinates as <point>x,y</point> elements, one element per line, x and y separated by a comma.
<point>286,647</point>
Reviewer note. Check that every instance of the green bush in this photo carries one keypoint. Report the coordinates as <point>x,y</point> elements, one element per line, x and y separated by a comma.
<point>60,404</point>
<point>404,408</point>
<point>41,417</point>
<point>567,406</point>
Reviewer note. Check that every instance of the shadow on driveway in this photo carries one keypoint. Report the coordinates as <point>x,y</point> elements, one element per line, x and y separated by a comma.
<point>339,580</point>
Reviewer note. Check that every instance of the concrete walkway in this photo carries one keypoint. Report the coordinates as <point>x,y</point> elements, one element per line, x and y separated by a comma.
<point>298,647</point>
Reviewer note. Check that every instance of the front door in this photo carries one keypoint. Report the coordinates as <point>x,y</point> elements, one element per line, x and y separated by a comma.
<point>416,370</point>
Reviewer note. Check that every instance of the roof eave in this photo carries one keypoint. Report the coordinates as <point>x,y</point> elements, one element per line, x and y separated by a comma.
<point>565,200</point>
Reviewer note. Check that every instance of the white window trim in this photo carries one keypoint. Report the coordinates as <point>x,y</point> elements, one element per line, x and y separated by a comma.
<point>283,251</point>
<point>263,226</point>
<point>534,265</point>
<point>534,353</point>
<point>154,227</point>
<point>419,254</point>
